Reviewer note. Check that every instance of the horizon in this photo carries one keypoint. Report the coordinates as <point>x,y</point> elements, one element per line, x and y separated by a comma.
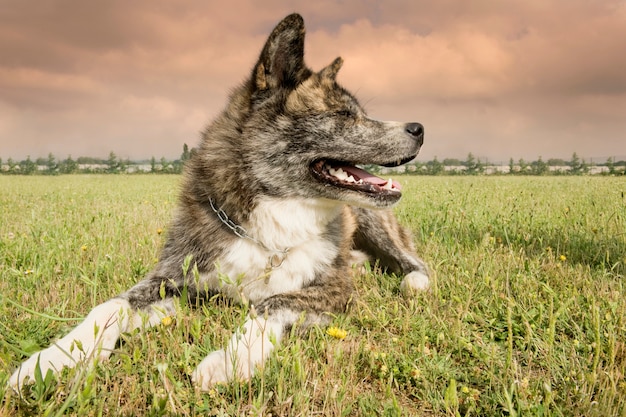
<point>417,160</point>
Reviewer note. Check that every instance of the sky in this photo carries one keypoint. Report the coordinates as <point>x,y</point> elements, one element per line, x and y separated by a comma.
<point>497,78</point>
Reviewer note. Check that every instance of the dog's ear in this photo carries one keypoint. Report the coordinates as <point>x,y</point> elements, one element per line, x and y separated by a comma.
<point>281,63</point>
<point>332,70</point>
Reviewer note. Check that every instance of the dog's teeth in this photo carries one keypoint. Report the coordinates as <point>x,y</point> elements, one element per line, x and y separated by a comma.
<point>388,185</point>
<point>339,174</point>
<point>350,179</point>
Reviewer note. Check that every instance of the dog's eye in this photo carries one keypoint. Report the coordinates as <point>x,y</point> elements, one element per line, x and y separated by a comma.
<point>345,113</point>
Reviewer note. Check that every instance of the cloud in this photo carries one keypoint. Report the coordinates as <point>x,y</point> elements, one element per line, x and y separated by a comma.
<point>499,79</point>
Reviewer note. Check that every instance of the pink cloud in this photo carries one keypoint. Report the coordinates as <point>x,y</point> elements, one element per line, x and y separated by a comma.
<point>521,78</point>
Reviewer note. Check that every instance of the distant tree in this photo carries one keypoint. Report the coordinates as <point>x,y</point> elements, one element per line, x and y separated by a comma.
<point>112,163</point>
<point>577,166</point>
<point>51,165</point>
<point>164,164</point>
<point>68,165</point>
<point>610,164</point>
<point>452,162</point>
<point>177,166</point>
<point>523,166</point>
<point>511,166</point>
<point>123,164</point>
<point>539,167</point>
<point>186,155</point>
<point>473,166</point>
<point>153,164</point>
<point>27,166</point>
<point>90,160</point>
<point>40,161</point>
<point>556,162</point>
<point>1,166</point>
<point>12,165</point>
<point>434,167</point>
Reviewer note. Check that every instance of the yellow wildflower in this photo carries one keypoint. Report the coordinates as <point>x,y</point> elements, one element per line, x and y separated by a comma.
<point>562,258</point>
<point>337,333</point>
<point>166,321</point>
<point>159,231</point>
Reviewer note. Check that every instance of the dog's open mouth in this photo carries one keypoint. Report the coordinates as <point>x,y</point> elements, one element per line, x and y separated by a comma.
<point>346,175</point>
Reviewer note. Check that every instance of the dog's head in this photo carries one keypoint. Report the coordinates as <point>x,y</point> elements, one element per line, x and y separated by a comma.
<point>304,135</point>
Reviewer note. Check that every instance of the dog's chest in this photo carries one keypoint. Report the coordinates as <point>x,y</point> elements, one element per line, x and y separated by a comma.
<point>291,244</point>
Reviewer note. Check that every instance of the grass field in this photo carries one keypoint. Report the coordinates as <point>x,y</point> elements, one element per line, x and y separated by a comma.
<point>526,315</point>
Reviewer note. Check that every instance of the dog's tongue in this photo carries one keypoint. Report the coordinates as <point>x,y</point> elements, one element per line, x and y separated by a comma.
<point>361,174</point>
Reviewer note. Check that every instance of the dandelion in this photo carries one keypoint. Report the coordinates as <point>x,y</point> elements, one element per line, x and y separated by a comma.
<point>159,231</point>
<point>562,258</point>
<point>83,248</point>
<point>337,333</point>
<point>166,321</point>
<point>383,369</point>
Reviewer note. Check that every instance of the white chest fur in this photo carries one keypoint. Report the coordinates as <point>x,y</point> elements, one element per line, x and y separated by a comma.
<point>296,226</point>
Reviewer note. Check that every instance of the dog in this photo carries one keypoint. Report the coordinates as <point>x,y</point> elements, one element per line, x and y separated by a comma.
<point>273,200</point>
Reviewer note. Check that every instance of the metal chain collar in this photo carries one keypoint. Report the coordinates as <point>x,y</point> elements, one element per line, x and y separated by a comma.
<point>274,261</point>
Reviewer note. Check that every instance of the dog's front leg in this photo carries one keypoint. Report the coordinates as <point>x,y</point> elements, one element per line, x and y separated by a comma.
<point>247,349</point>
<point>382,238</point>
<point>94,337</point>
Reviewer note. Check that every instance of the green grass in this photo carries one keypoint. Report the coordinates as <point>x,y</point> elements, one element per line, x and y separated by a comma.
<point>526,315</point>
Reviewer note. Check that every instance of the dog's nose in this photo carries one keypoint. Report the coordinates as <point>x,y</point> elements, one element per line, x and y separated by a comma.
<point>417,131</point>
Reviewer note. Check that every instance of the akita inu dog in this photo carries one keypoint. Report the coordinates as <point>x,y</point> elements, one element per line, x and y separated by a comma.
<point>273,199</point>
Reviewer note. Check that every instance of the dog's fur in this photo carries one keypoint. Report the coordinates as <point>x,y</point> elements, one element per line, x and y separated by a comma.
<point>263,203</point>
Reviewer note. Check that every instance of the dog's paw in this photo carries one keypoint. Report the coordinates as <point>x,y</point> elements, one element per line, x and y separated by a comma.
<point>414,282</point>
<point>54,359</point>
<point>49,359</point>
<point>214,369</point>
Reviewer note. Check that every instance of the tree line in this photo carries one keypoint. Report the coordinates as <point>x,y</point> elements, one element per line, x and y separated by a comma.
<point>475,166</point>
<point>471,165</point>
<point>90,165</point>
